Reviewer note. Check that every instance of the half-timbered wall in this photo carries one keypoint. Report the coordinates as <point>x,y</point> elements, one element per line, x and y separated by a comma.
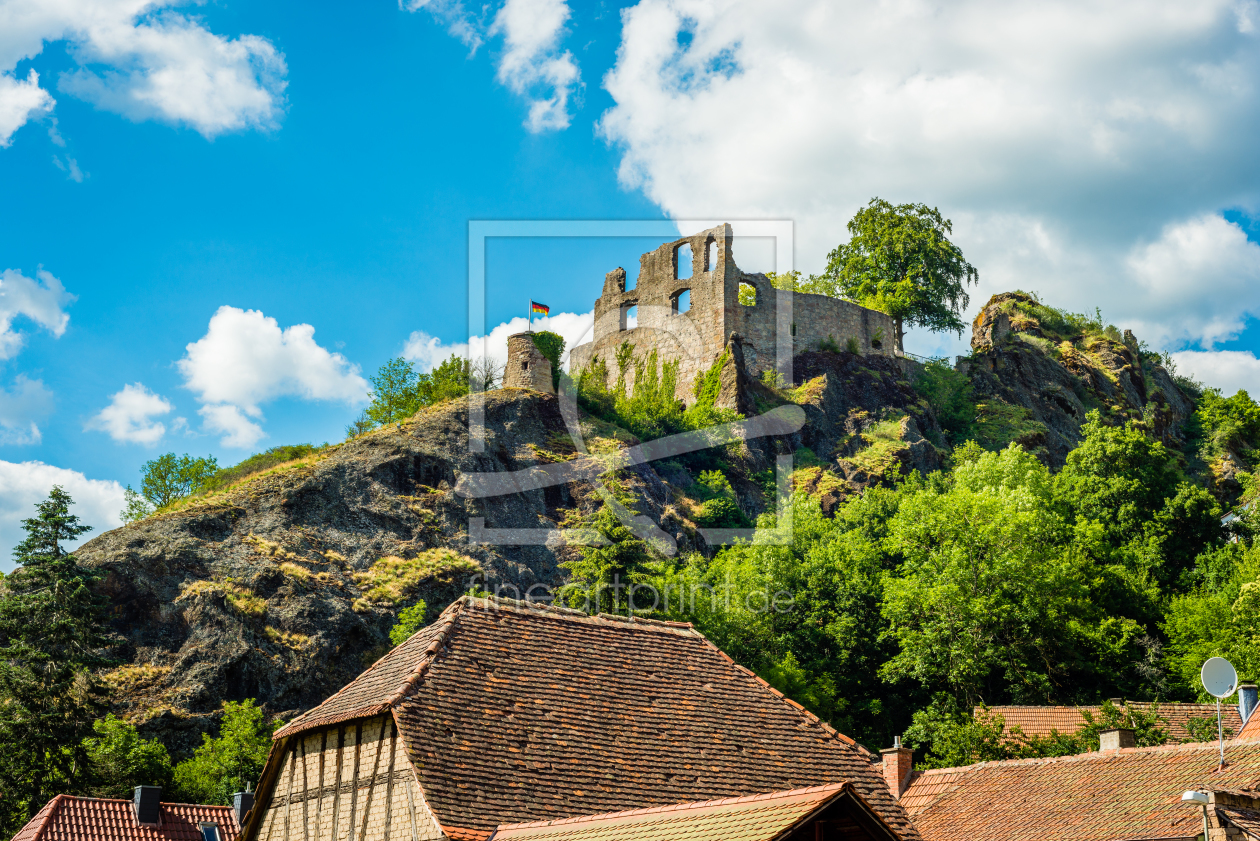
<point>350,782</point>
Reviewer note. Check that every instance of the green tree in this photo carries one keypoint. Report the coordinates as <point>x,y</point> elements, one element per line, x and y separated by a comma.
<point>395,393</point>
<point>52,633</point>
<point>989,604</point>
<point>135,506</point>
<point>120,759</point>
<point>224,765</point>
<point>445,382</point>
<point>410,620</point>
<point>169,477</point>
<point>899,260</point>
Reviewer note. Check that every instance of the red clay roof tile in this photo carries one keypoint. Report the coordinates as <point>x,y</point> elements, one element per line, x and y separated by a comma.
<point>68,818</point>
<point>1039,721</point>
<point>760,817</point>
<point>515,712</point>
<point>1130,793</point>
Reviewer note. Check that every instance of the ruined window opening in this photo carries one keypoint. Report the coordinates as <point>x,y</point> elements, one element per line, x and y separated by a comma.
<point>682,301</point>
<point>747,295</point>
<point>628,286</point>
<point>524,366</point>
<point>629,316</point>
<point>710,255</point>
<point>682,262</point>
<point>793,328</point>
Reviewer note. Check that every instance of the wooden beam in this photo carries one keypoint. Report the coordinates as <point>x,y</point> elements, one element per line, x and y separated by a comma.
<point>319,804</point>
<point>341,743</point>
<point>389,779</point>
<point>376,764</point>
<point>354,780</point>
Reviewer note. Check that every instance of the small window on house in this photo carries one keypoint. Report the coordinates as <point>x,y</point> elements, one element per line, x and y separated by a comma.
<point>682,262</point>
<point>710,255</point>
<point>682,302</point>
<point>747,295</point>
<point>210,832</point>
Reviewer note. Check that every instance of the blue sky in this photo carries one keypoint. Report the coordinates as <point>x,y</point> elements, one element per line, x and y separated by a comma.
<point>317,164</point>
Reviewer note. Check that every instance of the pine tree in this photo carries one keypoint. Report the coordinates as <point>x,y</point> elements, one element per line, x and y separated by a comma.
<point>52,633</point>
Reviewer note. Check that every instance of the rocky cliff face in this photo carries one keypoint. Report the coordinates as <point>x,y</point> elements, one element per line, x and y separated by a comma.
<point>1039,376</point>
<point>284,587</point>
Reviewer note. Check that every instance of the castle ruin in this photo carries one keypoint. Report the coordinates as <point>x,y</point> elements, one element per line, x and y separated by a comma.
<point>687,313</point>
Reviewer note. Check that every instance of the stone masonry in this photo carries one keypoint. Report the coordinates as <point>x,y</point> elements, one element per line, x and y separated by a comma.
<point>695,335</point>
<point>526,366</point>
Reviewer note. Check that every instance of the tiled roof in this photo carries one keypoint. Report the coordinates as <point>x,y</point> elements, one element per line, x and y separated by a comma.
<point>762,817</point>
<point>1130,793</point>
<point>513,712</point>
<point>67,818</point>
<point>1251,730</point>
<point>1039,721</point>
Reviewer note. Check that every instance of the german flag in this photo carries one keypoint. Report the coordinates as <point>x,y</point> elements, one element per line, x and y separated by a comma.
<point>536,308</point>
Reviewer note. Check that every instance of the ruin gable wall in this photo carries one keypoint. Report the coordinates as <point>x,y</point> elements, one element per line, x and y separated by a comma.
<point>695,335</point>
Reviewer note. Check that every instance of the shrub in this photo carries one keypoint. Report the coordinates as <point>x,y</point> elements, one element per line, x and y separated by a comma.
<point>828,345</point>
<point>224,765</point>
<point>550,345</point>
<point>410,620</point>
<point>949,393</point>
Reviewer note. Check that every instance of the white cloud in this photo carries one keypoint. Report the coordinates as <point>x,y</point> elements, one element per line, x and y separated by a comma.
<point>1228,370</point>
<point>39,300</point>
<point>27,401</point>
<point>531,64</point>
<point>428,351</point>
<point>245,359</point>
<point>231,422</point>
<point>140,59</point>
<point>20,100</point>
<point>129,417</point>
<point>22,485</point>
<point>1073,143</point>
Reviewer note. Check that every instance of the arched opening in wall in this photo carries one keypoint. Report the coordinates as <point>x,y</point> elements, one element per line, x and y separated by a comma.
<point>682,262</point>
<point>682,301</point>
<point>747,295</point>
<point>629,316</point>
<point>710,255</point>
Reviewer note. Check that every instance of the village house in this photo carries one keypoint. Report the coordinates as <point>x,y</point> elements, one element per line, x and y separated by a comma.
<point>505,713</point>
<point>1114,794</point>
<point>143,818</point>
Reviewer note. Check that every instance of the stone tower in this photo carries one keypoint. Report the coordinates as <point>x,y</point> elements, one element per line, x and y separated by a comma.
<point>526,366</point>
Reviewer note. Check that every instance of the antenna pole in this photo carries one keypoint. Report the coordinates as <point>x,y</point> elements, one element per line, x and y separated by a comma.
<point>1220,733</point>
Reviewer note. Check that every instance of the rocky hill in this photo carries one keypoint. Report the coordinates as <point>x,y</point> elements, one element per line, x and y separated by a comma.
<point>284,586</point>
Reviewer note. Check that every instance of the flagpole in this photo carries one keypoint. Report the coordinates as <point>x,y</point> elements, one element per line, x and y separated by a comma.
<point>529,319</point>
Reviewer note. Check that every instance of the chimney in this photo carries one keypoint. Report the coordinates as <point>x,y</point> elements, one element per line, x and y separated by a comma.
<point>242,802</point>
<point>1246,700</point>
<point>147,805</point>
<point>1116,738</point>
<point>897,766</point>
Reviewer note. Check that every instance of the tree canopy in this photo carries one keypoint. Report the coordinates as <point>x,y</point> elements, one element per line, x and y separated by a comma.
<point>52,636</point>
<point>169,477</point>
<point>899,260</point>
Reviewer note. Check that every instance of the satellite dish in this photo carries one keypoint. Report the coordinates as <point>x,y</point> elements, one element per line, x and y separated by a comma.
<point>1219,678</point>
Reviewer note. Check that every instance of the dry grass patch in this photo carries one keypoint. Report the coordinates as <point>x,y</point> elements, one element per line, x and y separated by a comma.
<point>289,639</point>
<point>392,579</point>
<point>127,678</point>
<point>292,570</point>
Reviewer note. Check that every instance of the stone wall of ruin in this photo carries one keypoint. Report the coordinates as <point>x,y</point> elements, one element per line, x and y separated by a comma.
<point>526,366</point>
<point>695,338</point>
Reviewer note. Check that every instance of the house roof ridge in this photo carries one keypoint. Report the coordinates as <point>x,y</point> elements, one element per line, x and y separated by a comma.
<point>49,810</point>
<point>491,602</point>
<point>679,807</point>
<point>1097,754</point>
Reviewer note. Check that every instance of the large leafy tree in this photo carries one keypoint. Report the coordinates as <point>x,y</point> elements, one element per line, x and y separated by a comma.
<point>169,477</point>
<point>52,635</point>
<point>225,765</point>
<point>899,259</point>
<point>120,759</point>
